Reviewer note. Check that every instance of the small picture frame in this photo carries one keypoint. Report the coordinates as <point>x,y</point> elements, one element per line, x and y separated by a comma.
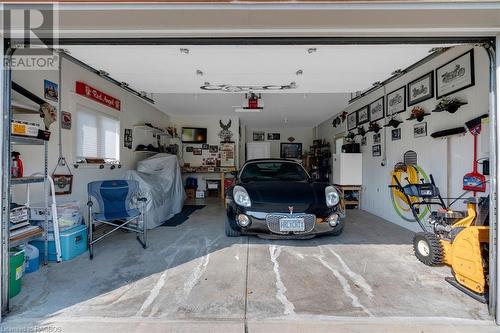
<point>376,150</point>
<point>205,146</point>
<point>273,136</point>
<point>214,149</point>
<point>377,109</point>
<point>127,138</point>
<point>259,136</point>
<point>377,138</point>
<point>197,151</point>
<point>363,115</point>
<point>189,149</point>
<point>420,130</point>
<point>63,184</point>
<point>421,89</point>
<point>352,121</point>
<point>455,75</point>
<point>396,101</point>
<point>396,134</point>
<point>65,120</point>
<point>50,90</point>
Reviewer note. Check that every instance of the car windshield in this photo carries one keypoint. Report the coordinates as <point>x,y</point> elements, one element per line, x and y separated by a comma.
<point>262,171</point>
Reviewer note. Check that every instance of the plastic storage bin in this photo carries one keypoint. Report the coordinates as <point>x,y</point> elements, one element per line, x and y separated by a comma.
<point>68,214</point>
<point>73,243</point>
<point>32,259</point>
<point>16,267</point>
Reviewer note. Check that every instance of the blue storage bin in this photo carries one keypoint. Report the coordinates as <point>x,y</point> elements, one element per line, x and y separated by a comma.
<point>73,243</point>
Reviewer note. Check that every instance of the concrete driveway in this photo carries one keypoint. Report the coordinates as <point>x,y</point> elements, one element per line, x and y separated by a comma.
<point>194,278</point>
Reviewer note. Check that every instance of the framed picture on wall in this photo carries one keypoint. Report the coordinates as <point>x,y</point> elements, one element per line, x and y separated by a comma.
<point>352,121</point>
<point>273,136</point>
<point>291,150</point>
<point>376,150</point>
<point>189,149</point>
<point>456,75</point>
<point>421,89</point>
<point>396,134</point>
<point>420,130</point>
<point>197,151</point>
<point>363,115</point>
<point>377,109</point>
<point>396,101</point>
<point>259,136</point>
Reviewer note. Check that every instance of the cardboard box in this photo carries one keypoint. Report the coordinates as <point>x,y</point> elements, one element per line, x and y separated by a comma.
<point>19,127</point>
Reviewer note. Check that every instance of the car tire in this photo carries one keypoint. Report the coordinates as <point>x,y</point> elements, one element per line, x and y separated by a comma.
<point>428,249</point>
<point>337,231</point>
<point>230,232</point>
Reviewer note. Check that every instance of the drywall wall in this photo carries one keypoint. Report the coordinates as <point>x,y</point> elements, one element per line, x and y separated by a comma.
<point>302,135</point>
<point>134,111</point>
<point>447,159</point>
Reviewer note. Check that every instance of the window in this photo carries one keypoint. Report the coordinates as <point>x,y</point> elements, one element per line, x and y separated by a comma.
<point>97,135</point>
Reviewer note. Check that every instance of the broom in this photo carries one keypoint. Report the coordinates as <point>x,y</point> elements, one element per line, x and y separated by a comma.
<point>474,181</point>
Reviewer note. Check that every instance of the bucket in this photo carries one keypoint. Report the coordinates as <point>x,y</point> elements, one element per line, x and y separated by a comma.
<point>32,259</point>
<point>16,265</point>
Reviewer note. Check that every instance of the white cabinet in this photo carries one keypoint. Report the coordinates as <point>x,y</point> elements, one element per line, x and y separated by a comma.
<point>258,150</point>
<point>347,169</point>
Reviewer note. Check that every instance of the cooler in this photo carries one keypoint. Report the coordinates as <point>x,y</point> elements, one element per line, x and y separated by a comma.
<point>73,243</point>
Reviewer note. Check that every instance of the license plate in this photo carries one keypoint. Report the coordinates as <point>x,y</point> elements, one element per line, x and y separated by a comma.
<point>292,224</point>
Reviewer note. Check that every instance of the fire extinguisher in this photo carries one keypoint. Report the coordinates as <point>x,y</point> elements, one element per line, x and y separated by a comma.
<point>16,170</point>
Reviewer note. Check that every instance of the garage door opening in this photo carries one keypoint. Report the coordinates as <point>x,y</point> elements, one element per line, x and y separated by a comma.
<point>184,120</point>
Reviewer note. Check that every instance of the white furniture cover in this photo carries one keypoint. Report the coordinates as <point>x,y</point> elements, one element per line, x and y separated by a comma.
<point>160,181</point>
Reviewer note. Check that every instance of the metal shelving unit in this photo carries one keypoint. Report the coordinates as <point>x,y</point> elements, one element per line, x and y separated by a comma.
<point>31,233</point>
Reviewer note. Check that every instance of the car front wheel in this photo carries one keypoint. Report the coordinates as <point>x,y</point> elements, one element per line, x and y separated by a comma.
<point>230,232</point>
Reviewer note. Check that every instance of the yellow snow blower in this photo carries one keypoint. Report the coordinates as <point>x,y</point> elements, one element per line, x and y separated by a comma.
<point>459,239</point>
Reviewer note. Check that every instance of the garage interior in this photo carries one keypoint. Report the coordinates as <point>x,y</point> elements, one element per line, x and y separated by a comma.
<point>293,101</point>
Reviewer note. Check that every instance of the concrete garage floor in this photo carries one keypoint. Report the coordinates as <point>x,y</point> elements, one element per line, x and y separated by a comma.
<point>194,278</point>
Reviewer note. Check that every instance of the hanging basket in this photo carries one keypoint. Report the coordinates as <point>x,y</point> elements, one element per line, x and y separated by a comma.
<point>63,182</point>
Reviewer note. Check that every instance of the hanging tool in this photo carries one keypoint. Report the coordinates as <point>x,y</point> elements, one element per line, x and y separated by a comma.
<point>474,181</point>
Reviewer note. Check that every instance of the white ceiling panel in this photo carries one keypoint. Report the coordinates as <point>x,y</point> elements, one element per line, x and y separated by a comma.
<point>331,69</point>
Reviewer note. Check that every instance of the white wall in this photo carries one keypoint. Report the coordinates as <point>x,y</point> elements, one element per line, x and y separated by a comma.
<point>134,111</point>
<point>447,164</point>
<point>302,135</point>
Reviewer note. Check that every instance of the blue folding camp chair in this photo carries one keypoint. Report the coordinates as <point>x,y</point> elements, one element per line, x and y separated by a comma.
<point>114,198</point>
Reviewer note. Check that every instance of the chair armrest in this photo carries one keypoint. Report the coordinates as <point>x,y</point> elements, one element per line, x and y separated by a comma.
<point>90,203</point>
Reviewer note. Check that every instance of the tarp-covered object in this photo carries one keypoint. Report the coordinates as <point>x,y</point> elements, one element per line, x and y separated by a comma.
<point>160,181</point>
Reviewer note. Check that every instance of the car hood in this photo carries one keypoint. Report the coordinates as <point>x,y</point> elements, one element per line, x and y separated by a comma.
<point>277,196</point>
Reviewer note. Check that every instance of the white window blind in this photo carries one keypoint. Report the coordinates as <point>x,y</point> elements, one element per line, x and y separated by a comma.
<point>97,135</point>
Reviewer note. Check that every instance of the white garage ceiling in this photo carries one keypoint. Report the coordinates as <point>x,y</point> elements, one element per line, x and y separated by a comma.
<point>331,69</point>
<point>329,74</point>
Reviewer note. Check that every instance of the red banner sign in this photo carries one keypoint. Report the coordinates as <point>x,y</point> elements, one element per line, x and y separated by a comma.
<point>97,95</point>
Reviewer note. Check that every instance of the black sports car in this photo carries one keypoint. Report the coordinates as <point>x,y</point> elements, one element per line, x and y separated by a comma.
<point>276,198</point>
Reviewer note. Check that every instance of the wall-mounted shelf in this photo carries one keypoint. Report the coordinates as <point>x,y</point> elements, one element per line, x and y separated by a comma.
<point>155,131</point>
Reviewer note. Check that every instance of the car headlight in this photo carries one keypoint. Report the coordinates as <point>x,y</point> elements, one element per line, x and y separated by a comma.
<point>241,196</point>
<point>332,196</point>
